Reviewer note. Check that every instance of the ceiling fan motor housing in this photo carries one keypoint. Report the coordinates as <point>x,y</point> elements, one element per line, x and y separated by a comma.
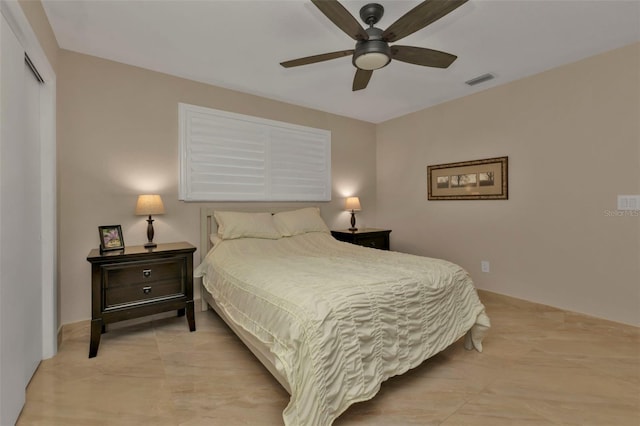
<point>372,54</point>
<point>371,13</point>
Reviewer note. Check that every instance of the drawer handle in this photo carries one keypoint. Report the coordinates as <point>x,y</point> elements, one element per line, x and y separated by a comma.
<point>146,273</point>
<point>146,290</point>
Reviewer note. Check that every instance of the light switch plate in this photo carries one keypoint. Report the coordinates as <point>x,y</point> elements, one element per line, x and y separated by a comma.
<point>628,202</point>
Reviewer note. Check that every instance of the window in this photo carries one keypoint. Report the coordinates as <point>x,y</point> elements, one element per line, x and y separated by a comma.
<point>233,157</point>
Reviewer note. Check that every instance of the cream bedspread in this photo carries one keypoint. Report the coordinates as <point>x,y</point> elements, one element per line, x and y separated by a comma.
<point>339,318</point>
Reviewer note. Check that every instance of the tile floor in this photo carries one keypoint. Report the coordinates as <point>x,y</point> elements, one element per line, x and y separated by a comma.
<point>540,366</point>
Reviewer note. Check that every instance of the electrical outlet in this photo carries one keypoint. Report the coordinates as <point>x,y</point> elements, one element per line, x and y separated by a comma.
<point>484,265</point>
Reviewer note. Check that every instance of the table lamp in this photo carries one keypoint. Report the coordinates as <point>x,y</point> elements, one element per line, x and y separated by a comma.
<point>149,205</point>
<point>353,204</point>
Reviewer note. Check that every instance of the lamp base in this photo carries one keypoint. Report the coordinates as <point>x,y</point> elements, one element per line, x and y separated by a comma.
<point>353,222</point>
<point>150,233</point>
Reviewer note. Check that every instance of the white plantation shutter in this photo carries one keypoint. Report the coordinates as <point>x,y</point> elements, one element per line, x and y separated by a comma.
<point>233,157</point>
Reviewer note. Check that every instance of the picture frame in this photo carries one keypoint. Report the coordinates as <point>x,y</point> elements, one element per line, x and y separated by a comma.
<point>111,238</point>
<point>485,179</point>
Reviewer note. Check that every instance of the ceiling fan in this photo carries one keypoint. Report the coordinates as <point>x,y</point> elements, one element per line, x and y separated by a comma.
<point>372,49</point>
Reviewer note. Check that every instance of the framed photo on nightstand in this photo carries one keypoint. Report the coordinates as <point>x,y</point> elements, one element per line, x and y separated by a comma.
<point>111,237</point>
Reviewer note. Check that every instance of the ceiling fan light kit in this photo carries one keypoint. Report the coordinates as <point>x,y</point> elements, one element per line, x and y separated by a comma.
<point>369,60</point>
<point>372,50</point>
<point>372,54</point>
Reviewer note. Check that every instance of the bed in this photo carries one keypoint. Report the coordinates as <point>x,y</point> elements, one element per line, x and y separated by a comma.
<point>330,320</point>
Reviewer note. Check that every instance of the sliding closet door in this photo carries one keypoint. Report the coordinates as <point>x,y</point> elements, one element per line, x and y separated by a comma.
<point>12,225</point>
<point>31,240</point>
<point>20,226</point>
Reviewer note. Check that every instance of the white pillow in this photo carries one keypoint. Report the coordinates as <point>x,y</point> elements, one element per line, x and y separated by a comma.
<point>232,225</point>
<point>301,221</point>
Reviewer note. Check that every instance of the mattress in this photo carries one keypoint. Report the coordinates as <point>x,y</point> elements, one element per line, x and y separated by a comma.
<point>339,319</point>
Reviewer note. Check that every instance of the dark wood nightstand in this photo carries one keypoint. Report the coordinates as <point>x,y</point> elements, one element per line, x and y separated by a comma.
<point>367,237</point>
<point>136,282</point>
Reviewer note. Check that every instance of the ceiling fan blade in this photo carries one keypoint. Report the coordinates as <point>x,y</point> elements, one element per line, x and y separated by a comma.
<point>422,56</point>
<point>361,79</point>
<point>341,18</point>
<point>419,17</point>
<point>316,58</point>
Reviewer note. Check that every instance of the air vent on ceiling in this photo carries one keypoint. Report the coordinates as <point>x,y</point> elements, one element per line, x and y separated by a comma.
<point>480,79</point>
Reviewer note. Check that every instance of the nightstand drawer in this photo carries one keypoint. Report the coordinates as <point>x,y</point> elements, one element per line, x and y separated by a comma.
<point>139,292</point>
<point>142,272</point>
<point>135,282</point>
<point>366,237</point>
<point>373,242</point>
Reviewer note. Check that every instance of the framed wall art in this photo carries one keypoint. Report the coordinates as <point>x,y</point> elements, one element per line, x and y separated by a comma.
<point>469,180</point>
<point>111,238</point>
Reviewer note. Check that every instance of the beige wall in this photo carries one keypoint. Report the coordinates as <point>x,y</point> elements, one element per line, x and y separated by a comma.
<point>118,137</point>
<point>572,135</point>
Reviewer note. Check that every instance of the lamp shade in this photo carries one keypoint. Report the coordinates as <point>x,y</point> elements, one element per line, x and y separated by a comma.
<point>148,205</point>
<point>352,203</point>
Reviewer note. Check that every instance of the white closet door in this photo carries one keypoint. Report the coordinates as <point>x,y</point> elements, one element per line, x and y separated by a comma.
<point>20,226</point>
<point>32,210</point>
<point>12,225</point>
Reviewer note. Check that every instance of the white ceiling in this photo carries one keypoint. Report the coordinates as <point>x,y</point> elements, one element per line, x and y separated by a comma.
<point>239,44</point>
